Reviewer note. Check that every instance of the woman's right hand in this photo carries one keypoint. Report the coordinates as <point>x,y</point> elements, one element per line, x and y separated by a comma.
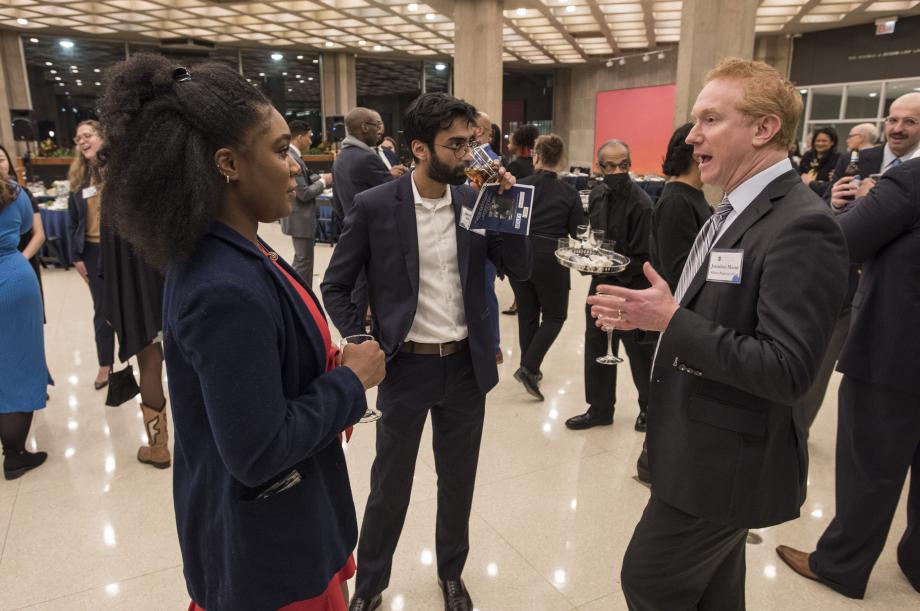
<point>367,361</point>
<point>81,269</point>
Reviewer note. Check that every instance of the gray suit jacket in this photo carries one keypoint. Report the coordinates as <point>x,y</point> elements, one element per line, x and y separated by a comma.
<point>302,221</point>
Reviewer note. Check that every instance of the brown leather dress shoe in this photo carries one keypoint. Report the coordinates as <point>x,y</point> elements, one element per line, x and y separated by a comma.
<point>797,561</point>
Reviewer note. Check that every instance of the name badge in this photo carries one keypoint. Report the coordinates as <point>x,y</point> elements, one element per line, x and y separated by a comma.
<point>725,266</point>
<point>89,192</point>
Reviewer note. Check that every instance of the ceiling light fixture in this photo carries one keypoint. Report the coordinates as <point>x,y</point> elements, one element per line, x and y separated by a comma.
<point>377,47</point>
<point>98,83</point>
<point>315,61</point>
<point>284,74</point>
<point>430,16</point>
<point>803,91</point>
<point>300,57</point>
<point>277,57</point>
<point>609,63</point>
<point>440,67</point>
<point>361,43</point>
<point>522,12</point>
<point>67,44</point>
<point>96,70</point>
<point>413,8</point>
<point>661,55</point>
<point>329,43</point>
<point>309,78</point>
<point>22,21</point>
<point>571,8</point>
<point>645,57</point>
<point>48,64</point>
<point>33,40</point>
<point>622,61</point>
<point>261,74</point>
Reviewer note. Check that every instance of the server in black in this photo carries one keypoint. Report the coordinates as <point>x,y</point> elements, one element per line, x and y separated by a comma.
<point>543,300</point>
<point>624,212</point>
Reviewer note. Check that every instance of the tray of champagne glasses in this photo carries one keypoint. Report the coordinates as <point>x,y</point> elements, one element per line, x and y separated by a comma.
<point>582,257</point>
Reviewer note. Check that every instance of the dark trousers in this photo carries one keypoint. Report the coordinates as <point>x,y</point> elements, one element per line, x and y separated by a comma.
<point>416,385</point>
<point>601,380</point>
<point>303,259</point>
<point>105,336</point>
<point>812,400</point>
<point>878,441</point>
<point>678,562</point>
<point>543,304</point>
<point>492,304</point>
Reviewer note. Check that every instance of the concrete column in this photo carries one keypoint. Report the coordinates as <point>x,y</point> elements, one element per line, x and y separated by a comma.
<point>710,30</point>
<point>478,55</point>
<point>339,83</point>
<point>14,86</point>
<point>775,50</point>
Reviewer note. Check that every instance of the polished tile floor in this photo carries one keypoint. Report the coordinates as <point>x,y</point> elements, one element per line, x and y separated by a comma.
<point>554,509</point>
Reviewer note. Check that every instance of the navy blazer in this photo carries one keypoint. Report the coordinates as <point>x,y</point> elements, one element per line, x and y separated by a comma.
<point>381,234</point>
<point>354,170</point>
<point>724,441</point>
<point>883,233</point>
<point>76,208</point>
<point>252,402</point>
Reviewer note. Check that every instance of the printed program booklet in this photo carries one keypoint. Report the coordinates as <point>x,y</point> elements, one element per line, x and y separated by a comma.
<point>507,212</point>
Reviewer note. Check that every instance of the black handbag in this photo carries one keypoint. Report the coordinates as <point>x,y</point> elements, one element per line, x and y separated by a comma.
<point>122,387</point>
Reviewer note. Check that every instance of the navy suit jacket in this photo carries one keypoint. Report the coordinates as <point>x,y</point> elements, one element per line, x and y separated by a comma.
<point>251,402</point>
<point>355,170</point>
<point>381,234</point>
<point>883,233</point>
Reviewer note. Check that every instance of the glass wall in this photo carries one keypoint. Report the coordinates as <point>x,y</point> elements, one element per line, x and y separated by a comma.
<point>845,105</point>
<point>65,80</point>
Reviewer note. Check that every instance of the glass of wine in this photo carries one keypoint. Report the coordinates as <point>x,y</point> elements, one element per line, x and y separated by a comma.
<point>372,414</point>
<point>605,249</point>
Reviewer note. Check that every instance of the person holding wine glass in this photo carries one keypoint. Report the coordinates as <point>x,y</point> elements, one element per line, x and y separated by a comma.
<point>624,212</point>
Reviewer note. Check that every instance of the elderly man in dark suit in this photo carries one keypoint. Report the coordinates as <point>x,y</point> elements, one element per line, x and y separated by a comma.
<point>358,167</point>
<point>741,340</point>
<point>878,427</point>
<point>301,223</point>
<point>426,281</point>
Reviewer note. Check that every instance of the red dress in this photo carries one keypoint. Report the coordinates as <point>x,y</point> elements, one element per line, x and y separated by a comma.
<point>331,599</point>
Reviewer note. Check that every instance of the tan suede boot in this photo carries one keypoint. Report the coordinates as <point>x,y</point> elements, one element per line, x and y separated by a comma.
<point>156,453</point>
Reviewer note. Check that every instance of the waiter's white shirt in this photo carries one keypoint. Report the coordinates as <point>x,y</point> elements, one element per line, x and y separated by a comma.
<point>888,157</point>
<point>439,316</point>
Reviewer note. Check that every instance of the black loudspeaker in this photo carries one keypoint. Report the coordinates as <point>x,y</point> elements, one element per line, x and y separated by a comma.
<point>23,127</point>
<point>335,128</point>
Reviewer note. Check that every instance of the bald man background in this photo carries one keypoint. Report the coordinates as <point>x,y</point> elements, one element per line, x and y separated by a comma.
<point>358,167</point>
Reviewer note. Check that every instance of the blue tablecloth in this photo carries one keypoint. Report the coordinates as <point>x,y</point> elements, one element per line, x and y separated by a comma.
<point>57,231</point>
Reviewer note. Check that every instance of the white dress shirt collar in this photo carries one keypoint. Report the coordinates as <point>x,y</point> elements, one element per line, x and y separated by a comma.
<point>888,157</point>
<point>431,204</point>
<point>741,196</point>
<point>294,150</point>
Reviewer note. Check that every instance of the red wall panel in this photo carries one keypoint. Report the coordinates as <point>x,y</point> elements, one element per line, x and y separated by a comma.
<point>642,117</point>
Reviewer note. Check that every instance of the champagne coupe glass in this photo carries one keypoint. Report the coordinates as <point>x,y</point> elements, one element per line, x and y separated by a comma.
<point>371,414</point>
<point>607,248</point>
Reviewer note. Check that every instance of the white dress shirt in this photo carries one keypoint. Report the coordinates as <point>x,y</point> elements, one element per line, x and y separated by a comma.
<point>439,316</point>
<point>742,195</point>
<point>383,157</point>
<point>888,157</point>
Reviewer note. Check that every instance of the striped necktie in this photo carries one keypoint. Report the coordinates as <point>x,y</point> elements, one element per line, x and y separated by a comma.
<point>701,246</point>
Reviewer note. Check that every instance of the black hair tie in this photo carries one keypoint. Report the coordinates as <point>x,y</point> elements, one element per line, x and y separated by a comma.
<point>181,75</point>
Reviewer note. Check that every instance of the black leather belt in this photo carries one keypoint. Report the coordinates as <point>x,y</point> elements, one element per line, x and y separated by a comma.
<point>434,349</point>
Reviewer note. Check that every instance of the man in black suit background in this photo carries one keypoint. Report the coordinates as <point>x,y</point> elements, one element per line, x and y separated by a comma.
<point>740,342</point>
<point>358,167</point>
<point>878,426</point>
<point>426,281</point>
<point>620,208</point>
<point>301,223</point>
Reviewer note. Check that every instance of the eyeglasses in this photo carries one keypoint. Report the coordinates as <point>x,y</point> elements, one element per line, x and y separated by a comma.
<point>610,165</point>
<point>907,121</point>
<point>377,124</point>
<point>460,150</point>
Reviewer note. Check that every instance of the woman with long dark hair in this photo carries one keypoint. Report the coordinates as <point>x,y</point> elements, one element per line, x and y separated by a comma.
<point>820,159</point>
<point>23,373</point>
<point>521,145</point>
<point>195,160</point>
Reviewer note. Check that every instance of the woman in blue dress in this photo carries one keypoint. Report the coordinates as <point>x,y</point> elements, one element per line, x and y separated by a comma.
<point>23,373</point>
